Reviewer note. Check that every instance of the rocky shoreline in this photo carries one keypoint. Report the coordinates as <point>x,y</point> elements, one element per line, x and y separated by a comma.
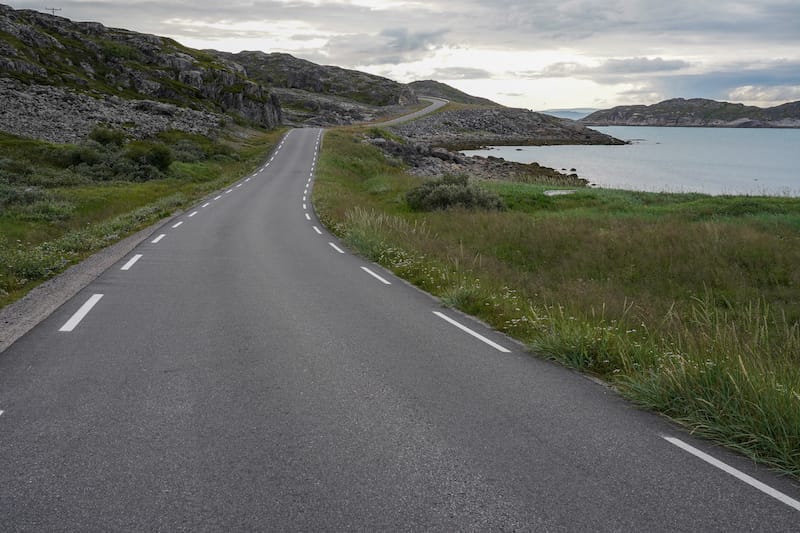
<point>423,159</point>
<point>472,128</point>
<point>430,146</point>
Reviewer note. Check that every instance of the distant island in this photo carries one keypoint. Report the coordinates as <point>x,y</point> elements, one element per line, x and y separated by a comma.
<point>698,112</point>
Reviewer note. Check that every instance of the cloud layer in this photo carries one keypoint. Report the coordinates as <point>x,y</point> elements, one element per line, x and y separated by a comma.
<point>619,51</point>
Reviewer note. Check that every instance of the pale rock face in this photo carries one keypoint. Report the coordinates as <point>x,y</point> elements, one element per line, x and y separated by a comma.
<point>87,63</point>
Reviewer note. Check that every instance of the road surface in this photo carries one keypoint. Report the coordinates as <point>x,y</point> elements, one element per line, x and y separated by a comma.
<point>241,370</point>
<point>436,103</point>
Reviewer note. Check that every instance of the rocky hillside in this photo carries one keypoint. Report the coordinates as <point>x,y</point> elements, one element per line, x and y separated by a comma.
<point>289,72</point>
<point>442,90</point>
<point>698,112</point>
<point>89,73</point>
<point>463,129</point>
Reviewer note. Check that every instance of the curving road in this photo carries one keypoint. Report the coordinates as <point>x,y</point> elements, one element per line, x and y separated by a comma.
<point>241,370</point>
<point>436,103</point>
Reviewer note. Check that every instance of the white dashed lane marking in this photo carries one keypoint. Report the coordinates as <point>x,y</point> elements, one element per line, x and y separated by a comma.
<point>177,224</point>
<point>475,334</point>
<point>217,197</point>
<point>317,230</point>
<point>79,315</point>
<point>336,248</point>
<point>193,213</point>
<point>376,276</point>
<point>741,476</point>
<point>308,217</point>
<point>131,262</point>
<point>158,239</point>
<point>206,204</point>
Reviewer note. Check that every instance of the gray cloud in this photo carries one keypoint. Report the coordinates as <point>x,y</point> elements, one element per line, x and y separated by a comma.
<point>459,73</point>
<point>610,71</point>
<point>604,31</point>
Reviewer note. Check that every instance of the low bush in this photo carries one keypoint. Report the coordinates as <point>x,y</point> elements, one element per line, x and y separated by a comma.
<point>452,191</point>
<point>107,136</point>
<point>149,153</point>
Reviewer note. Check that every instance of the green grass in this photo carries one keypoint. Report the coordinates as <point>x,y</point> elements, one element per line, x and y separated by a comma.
<point>686,304</point>
<point>57,208</point>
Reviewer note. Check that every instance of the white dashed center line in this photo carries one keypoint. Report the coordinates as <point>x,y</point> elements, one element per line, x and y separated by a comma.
<point>336,248</point>
<point>177,225</point>
<point>129,264</point>
<point>471,332</point>
<point>79,315</point>
<point>741,476</point>
<point>157,239</point>
<point>374,275</point>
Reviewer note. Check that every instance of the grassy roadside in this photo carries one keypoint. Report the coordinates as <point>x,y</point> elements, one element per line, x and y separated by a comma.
<point>61,203</point>
<point>686,304</point>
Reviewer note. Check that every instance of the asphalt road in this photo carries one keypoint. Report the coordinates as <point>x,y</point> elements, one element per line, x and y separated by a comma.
<point>436,103</point>
<point>239,373</point>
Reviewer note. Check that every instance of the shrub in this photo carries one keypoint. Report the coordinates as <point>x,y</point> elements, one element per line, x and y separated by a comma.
<point>11,196</point>
<point>83,155</point>
<point>452,191</point>
<point>148,153</point>
<point>107,136</point>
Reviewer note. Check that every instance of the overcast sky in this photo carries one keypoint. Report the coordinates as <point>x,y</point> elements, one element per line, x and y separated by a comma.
<point>538,54</point>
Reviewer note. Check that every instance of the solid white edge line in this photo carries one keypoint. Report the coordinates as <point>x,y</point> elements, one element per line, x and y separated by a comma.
<point>75,319</point>
<point>336,248</point>
<point>129,264</point>
<point>741,476</point>
<point>157,239</point>
<point>317,230</point>
<point>177,224</point>
<point>471,332</point>
<point>308,217</point>
<point>374,275</point>
<point>193,213</point>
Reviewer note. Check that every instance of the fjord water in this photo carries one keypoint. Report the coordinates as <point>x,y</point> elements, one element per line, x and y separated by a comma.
<point>707,160</point>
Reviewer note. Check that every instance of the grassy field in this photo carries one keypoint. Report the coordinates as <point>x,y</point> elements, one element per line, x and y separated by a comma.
<point>687,304</point>
<point>61,203</point>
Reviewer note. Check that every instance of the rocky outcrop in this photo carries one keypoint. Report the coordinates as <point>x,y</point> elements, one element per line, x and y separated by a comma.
<point>422,159</point>
<point>62,115</point>
<point>88,58</point>
<point>472,128</point>
<point>289,72</point>
<point>698,112</point>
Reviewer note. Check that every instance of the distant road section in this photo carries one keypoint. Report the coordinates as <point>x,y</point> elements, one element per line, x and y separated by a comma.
<point>436,103</point>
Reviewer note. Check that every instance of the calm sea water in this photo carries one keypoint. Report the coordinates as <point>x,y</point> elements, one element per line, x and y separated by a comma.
<point>707,160</point>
